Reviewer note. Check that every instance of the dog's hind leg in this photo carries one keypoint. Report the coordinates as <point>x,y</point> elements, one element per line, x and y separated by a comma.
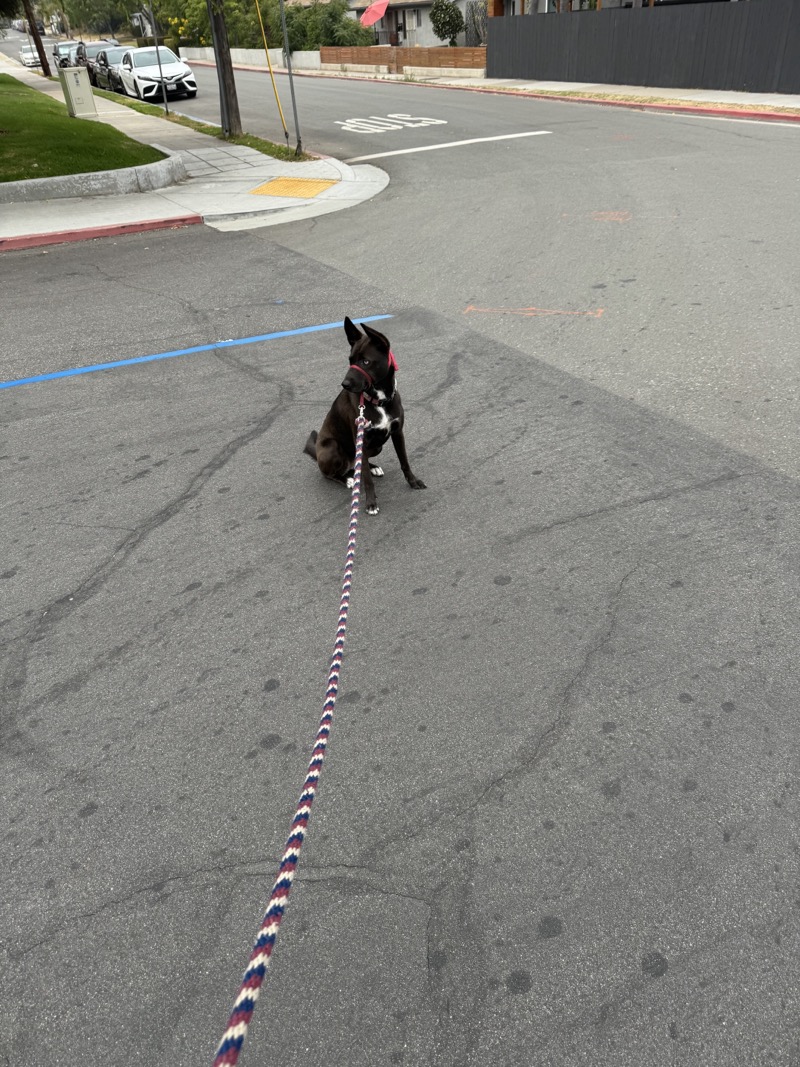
<point>311,445</point>
<point>333,463</point>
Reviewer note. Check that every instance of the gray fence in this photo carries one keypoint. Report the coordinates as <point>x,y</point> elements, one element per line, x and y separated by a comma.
<point>751,46</point>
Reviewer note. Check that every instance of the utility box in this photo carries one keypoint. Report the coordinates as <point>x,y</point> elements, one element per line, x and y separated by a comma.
<point>78,94</point>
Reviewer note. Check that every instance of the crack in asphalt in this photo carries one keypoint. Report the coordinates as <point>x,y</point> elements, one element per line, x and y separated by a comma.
<point>65,605</point>
<point>623,505</point>
<point>142,641</point>
<point>531,750</point>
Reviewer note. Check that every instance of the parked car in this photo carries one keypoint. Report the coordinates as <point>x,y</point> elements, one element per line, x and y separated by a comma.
<point>140,75</point>
<point>106,69</point>
<point>29,57</point>
<point>61,50</point>
<point>87,52</point>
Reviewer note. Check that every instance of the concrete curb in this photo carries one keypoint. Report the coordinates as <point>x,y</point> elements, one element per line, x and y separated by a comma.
<point>36,240</point>
<point>144,179</point>
<point>637,105</point>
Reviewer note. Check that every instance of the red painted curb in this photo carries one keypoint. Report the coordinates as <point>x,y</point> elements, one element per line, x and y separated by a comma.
<point>636,105</point>
<point>34,240</point>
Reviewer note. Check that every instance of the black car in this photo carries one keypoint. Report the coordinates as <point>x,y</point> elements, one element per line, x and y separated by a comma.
<point>105,69</point>
<point>87,54</point>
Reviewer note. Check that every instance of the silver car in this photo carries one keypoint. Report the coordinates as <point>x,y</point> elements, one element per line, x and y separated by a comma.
<point>29,57</point>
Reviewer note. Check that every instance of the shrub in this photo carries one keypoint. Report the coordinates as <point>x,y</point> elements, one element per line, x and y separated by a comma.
<point>447,20</point>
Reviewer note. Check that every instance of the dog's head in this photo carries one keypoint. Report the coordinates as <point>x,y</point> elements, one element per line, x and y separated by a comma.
<point>372,364</point>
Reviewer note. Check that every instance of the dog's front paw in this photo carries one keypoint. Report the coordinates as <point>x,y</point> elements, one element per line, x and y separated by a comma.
<point>372,509</point>
<point>350,483</point>
<point>416,483</point>
<point>376,472</point>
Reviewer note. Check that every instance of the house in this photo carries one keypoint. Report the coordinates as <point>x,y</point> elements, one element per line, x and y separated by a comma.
<point>408,25</point>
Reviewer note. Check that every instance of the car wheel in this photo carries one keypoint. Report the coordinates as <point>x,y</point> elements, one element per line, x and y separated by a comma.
<point>138,91</point>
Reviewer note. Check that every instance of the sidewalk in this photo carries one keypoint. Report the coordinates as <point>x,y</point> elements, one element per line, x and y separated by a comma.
<point>722,102</point>
<point>228,186</point>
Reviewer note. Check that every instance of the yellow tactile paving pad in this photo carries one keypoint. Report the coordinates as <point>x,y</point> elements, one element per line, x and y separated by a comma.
<point>301,188</point>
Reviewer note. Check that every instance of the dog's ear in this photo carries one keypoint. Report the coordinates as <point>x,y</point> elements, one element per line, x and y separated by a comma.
<point>380,340</point>
<point>352,331</point>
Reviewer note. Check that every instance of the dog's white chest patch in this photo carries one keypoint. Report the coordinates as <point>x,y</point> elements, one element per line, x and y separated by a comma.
<point>380,420</point>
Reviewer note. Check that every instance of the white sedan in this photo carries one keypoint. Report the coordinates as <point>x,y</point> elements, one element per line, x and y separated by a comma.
<point>140,74</point>
<point>29,57</point>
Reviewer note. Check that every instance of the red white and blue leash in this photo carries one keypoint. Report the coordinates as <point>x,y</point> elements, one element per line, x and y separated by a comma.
<point>232,1040</point>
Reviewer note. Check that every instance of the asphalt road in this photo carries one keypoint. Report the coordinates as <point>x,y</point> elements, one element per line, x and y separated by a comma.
<point>558,823</point>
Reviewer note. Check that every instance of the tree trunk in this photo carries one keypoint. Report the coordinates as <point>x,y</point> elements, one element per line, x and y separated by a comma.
<point>37,40</point>
<point>228,100</point>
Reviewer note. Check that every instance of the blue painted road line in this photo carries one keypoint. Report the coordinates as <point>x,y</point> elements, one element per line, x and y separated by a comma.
<point>183,352</point>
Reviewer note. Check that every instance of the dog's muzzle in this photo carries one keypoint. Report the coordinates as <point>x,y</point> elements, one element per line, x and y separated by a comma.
<point>353,384</point>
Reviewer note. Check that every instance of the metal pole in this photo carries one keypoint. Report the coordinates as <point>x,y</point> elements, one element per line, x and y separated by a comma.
<point>158,57</point>
<point>287,53</point>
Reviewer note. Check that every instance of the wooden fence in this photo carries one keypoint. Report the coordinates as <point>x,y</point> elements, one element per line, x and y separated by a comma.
<point>396,59</point>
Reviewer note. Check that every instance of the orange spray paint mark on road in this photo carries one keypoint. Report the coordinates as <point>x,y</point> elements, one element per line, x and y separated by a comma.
<point>612,216</point>
<point>532,313</point>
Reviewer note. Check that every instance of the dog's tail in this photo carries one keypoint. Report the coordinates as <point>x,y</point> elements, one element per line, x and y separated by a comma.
<point>311,445</point>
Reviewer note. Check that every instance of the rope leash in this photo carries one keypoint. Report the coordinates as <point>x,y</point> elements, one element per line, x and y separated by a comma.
<point>244,1005</point>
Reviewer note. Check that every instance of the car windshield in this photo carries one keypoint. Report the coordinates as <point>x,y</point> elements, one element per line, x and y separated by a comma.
<point>114,55</point>
<point>64,47</point>
<point>146,57</point>
<point>93,49</point>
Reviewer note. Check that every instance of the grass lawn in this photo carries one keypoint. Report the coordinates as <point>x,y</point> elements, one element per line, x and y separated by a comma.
<point>38,139</point>
<point>269,148</point>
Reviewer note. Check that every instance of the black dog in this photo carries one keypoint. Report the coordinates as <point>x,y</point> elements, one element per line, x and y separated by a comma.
<point>371,372</point>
